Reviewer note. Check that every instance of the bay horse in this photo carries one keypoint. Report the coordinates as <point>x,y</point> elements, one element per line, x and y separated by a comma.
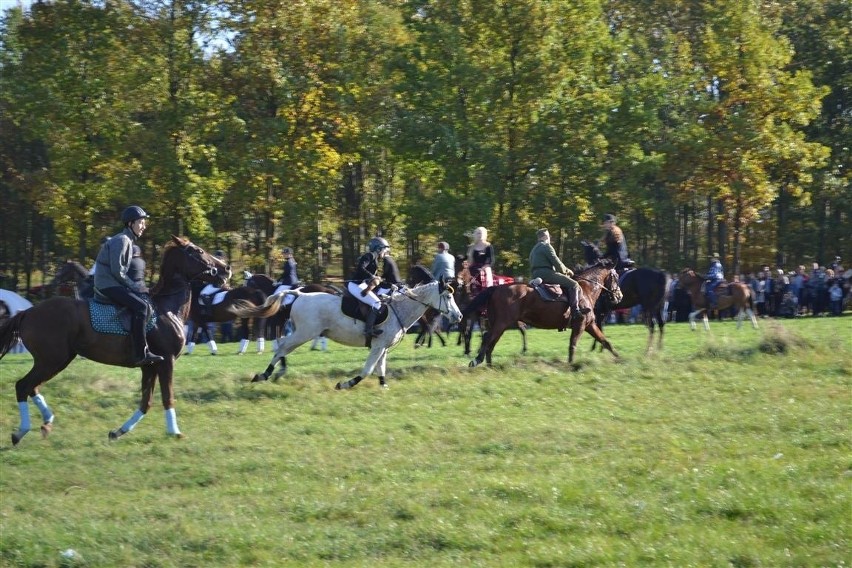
<point>317,313</point>
<point>645,287</point>
<point>511,303</point>
<point>60,328</point>
<point>729,295</point>
<point>466,292</point>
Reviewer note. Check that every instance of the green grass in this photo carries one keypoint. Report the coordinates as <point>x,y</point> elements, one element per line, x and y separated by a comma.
<point>728,448</point>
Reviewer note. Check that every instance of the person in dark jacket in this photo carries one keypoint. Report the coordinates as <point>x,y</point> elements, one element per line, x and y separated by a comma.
<point>613,244</point>
<point>113,282</point>
<point>365,279</point>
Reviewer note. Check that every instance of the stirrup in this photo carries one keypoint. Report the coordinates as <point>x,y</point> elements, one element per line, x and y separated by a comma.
<point>148,359</point>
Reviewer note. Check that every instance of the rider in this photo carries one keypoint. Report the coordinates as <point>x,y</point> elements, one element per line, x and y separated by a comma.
<point>480,256</point>
<point>288,275</point>
<point>391,278</point>
<point>613,243</point>
<point>364,280</point>
<point>715,276</point>
<point>547,266</point>
<point>112,281</point>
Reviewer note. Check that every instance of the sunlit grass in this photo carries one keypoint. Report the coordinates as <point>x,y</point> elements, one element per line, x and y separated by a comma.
<point>728,448</point>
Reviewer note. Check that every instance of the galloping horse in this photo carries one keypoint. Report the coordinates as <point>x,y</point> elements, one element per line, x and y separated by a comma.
<point>316,313</point>
<point>58,329</point>
<point>511,303</point>
<point>76,273</point>
<point>646,287</point>
<point>470,318</point>
<point>730,295</point>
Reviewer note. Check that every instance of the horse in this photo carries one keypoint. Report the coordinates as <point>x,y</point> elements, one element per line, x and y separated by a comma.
<point>466,292</point>
<point>60,328</point>
<point>224,305</point>
<point>645,287</point>
<point>76,273</point>
<point>316,314</point>
<point>510,303</point>
<point>730,295</point>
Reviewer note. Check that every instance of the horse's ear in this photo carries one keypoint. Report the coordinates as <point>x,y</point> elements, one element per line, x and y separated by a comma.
<point>179,241</point>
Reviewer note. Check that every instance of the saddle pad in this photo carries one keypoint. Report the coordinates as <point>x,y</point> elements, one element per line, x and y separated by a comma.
<point>104,318</point>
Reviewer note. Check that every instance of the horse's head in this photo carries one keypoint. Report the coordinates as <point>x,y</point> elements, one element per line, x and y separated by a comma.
<point>687,278</point>
<point>611,286</point>
<point>437,295</point>
<point>190,261</point>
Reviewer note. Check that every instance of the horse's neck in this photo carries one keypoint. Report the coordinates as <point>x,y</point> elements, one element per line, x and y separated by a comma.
<point>172,293</point>
<point>409,310</point>
<point>594,284</point>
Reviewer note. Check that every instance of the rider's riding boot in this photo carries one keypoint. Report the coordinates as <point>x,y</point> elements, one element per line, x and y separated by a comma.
<point>141,353</point>
<point>577,313</point>
<point>371,321</point>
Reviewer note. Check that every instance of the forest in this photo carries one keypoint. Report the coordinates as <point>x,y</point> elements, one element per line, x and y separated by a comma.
<point>249,125</point>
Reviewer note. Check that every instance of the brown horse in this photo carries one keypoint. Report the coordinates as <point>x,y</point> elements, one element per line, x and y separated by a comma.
<point>512,303</point>
<point>78,276</point>
<point>57,330</point>
<point>729,295</point>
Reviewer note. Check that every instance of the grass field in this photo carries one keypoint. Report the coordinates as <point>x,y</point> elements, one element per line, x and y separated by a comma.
<point>728,448</point>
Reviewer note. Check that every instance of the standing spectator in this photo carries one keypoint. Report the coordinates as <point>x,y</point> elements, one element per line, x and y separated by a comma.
<point>835,295</point>
<point>444,265</point>
<point>799,287</point>
<point>226,328</point>
<point>819,290</point>
<point>759,287</point>
<point>780,284</point>
<point>480,256</point>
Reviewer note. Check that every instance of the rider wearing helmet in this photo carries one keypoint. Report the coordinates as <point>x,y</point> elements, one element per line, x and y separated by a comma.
<point>365,279</point>
<point>715,276</point>
<point>113,282</point>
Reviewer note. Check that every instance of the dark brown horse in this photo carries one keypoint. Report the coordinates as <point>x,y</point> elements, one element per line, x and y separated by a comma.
<point>729,295</point>
<point>645,287</point>
<point>58,329</point>
<point>511,303</point>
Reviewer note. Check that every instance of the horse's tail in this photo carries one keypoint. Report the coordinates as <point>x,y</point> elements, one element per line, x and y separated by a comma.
<point>246,309</point>
<point>479,302</point>
<point>10,332</point>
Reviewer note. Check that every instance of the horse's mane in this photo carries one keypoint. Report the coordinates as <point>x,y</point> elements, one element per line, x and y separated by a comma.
<point>419,274</point>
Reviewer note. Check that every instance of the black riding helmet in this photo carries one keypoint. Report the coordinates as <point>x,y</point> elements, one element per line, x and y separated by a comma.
<point>377,244</point>
<point>133,213</point>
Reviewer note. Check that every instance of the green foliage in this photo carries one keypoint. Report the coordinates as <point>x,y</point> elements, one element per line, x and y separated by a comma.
<point>713,452</point>
<point>702,125</point>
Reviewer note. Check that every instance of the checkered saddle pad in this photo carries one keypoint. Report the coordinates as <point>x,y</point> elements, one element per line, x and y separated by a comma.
<point>115,320</point>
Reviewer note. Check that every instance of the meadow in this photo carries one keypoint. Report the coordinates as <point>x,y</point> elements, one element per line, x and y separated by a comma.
<point>727,448</point>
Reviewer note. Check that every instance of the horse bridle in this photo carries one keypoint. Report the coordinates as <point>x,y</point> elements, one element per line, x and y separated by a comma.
<point>610,291</point>
<point>210,270</point>
<point>442,300</point>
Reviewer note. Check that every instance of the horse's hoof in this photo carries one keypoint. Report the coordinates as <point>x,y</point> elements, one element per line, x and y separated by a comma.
<point>342,385</point>
<point>46,429</point>
<point>472,364</point>
<point>115,434</point>
<point>16,438</point>
<point>259,378</point>
<point>385,386</point>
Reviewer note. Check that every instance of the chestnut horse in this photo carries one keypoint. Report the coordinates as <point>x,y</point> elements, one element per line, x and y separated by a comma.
<point>58,329</point>
<point>728,295</point>
<point>512,303</point>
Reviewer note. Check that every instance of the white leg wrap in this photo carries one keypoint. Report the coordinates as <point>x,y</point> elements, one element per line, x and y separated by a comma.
<point>24,410</point>
<point>171,422</point>
<point>46,414</point>
<point>130,424</point>
<point>243,345</point>
<point>190,347</point>
<point>212,345</point>
<point>261,345</point>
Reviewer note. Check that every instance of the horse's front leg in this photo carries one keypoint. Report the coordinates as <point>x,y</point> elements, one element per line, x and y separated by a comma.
<point>596,332</point>
<point>149,376</point>
<point>376,354</point>
<point>166,372</point>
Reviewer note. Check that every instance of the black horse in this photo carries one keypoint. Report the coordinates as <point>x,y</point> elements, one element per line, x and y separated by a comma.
<point>645,287</point>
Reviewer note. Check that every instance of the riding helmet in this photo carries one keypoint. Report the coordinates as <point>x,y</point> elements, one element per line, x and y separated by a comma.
<point>377,244</point>
<point>133,213</point>
<point>609,217</point>
<point>287,250</point>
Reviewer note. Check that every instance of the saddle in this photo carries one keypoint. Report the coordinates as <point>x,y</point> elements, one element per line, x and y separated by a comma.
<point>354,308</point>
<point>115,320</point>
<point>548,292</point>
<point>554,293</point>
